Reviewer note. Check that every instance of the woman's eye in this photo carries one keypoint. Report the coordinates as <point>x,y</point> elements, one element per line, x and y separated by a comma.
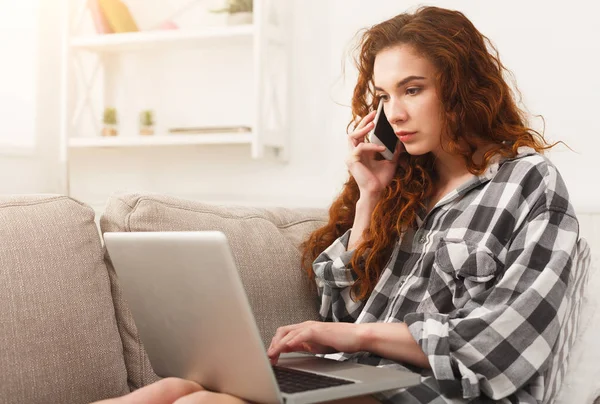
<point>383,97</point>
<point>412,90</point>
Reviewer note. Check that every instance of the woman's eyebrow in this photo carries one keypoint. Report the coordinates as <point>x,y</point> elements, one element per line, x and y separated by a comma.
<point>403,82</point>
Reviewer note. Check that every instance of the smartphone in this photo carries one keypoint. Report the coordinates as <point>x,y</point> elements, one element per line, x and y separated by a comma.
<point>383,133</point>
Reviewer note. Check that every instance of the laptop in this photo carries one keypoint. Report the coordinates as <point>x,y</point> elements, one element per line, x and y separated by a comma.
<point>194,319</point>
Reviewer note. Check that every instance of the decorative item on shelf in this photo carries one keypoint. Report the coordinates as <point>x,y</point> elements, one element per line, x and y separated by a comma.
<point>198,130</point>
<point>147,122</point>
<point>100,22</point>
<point>110,122</point>
<point>169,23</point>
<point>238,11</point>
<point>118,16</point>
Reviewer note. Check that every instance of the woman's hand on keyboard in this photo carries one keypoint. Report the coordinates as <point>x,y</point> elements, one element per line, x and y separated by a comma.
<point>315,337</point>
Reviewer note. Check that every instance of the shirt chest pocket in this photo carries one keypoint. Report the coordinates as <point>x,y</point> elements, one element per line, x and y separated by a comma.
<point>466,269</point>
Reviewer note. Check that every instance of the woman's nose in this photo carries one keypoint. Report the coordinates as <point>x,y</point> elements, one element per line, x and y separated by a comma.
<point>396,112</point>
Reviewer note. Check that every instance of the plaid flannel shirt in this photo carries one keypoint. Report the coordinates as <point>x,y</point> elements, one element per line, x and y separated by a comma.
<point>479,284</point>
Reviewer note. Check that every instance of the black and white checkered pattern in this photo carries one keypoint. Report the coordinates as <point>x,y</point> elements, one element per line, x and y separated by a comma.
<point>481,284</point>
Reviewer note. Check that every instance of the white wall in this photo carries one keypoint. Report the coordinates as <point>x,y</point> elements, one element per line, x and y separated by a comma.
<point>552,50</point>
<point>36,169</point>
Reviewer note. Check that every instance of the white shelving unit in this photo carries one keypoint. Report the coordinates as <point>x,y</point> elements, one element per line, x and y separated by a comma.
<point>268,36</point>
<point>161,140</point>
<point>155,40</point>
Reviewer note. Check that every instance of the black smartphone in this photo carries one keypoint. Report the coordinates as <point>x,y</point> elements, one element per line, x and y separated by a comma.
<point>383,133</point>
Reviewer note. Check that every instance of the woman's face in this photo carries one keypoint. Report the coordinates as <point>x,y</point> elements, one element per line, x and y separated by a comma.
<point>405,83</point>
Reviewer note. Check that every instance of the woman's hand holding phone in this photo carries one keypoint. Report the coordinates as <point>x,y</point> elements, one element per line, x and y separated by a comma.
<point>371,174</point>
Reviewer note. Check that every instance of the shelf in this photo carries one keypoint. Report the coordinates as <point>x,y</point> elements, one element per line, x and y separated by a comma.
<point>161,140</point>
<point>134,41</point>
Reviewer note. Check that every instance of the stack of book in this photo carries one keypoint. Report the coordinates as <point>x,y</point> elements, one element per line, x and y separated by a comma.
<point>111,16</point>
<point>210,130</point>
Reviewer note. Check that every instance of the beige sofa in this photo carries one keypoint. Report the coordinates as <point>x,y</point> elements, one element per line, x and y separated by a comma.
<point>66,335</point>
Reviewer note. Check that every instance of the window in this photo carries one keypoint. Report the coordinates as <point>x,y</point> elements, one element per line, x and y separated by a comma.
<point>18,73</point>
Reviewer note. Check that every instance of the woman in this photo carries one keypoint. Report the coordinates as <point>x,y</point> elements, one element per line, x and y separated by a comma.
<point>452,258</point>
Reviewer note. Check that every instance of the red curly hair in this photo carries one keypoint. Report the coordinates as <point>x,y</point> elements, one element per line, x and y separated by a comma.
<point>477,105</point>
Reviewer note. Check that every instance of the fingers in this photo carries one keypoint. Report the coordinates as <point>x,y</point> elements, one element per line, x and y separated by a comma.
<point>283,346</point>
<point>282,332</point>
<point>358,136</point>
<point>367,118</point>
<point>303,340</point>
<point>359,151</point>
<point>362,129</point>
<point>299,339</point>
<point>294,339</point>
<point>309,338</point>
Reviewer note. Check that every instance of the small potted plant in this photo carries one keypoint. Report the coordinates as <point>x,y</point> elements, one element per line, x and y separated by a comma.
<point>110,122</point>
<point>147,122</point>
<point>238,11</point>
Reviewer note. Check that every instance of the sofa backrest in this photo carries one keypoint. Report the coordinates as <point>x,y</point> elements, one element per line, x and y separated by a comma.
<point>59,341</point>
<point>265,244</point>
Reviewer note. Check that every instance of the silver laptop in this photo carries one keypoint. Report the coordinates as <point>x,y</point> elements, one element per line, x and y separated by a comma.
<point>193,316</point>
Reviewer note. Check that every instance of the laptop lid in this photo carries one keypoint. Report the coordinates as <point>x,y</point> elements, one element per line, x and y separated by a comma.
<point>156,270</point>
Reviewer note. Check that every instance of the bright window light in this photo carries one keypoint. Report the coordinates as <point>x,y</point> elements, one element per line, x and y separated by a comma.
<point>18,72</point>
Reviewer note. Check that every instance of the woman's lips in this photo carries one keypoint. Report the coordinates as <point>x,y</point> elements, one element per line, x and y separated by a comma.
<point>405,136</point>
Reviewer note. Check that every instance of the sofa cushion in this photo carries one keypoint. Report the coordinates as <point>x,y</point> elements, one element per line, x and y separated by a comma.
<point>581,383</point>
<point>264,243</point>
<point>570,311</point>
<point>59,341</point>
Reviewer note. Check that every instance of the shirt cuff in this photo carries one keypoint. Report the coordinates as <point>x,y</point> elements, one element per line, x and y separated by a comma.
<point>432,333</point>
<point>332,266</point>
<point>339,249</point>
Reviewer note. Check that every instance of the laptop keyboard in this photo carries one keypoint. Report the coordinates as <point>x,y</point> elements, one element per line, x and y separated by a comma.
<point>295,381</point>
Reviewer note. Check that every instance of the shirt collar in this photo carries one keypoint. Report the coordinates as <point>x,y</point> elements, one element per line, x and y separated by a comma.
<point>497,160</point>
<point>490,172</point>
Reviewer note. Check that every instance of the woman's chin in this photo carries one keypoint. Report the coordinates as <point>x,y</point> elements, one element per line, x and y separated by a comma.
<point>415,150</point>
